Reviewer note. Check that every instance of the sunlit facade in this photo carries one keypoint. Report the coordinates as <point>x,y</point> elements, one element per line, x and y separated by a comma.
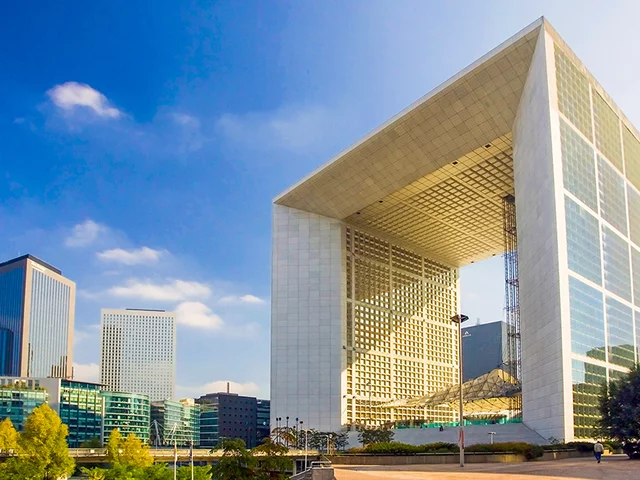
<point>366,250</point>
<point>37,309</point>
<point>130,413</point>
<point>138,352</point>
<point>175,423</point>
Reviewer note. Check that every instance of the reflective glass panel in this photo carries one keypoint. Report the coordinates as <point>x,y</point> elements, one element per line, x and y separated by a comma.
<point>620,341</point>
<point>573,93</point>
<point>587,320</point>
<point>612,202</point>
<point>607,126</point>
<point>587,384</point>
<point>578,166</point>
<point>617,274</point>
<point>583,242</point>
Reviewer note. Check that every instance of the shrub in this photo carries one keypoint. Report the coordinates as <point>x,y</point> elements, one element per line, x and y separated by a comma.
<point>528,450</point>
<point>582,447</point>
<point>397,448</point>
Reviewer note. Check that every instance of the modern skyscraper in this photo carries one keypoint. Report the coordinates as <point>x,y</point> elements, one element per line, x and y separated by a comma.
<point>138,352</point>
<point>366,250</point>
<point>484,348</point>
<point>37,308</point>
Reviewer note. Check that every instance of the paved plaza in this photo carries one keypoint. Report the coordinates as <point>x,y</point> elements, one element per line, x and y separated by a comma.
<point>617,467</point>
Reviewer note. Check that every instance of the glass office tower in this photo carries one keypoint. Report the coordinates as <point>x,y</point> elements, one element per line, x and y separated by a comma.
<point>128,412</point>
<point>37,308</point>
<point>138,352</point>
<point>175,423</point>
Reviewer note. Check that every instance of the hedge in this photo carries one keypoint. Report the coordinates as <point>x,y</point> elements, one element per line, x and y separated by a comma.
<point>395,448</point>
<point>528,450</point>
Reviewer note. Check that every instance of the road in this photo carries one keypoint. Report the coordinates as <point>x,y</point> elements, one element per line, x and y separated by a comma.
<point>616,467</point>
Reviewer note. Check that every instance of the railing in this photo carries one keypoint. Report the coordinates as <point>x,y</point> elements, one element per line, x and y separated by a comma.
<point>500,421</point>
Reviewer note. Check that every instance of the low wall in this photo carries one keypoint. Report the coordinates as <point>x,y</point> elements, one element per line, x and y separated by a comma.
<point>422,459</point>
<point>446,458</point>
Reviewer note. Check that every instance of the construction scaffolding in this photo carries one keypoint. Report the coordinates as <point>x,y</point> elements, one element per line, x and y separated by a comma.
<point>512,355</point>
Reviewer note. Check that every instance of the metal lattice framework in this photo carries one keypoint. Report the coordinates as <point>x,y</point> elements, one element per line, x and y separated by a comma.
<point>513,354</point>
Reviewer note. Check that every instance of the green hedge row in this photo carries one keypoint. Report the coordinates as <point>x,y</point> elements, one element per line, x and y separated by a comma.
<point>405,448</point>
<point>397,448</point>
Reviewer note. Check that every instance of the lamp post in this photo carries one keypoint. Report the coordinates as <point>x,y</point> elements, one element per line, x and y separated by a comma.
<point>460,319</point>
<point>369,405</point>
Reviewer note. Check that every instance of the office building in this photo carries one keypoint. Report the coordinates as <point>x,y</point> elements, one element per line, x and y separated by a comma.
<point>227,415</point>
<point>79,405</point>
<point>128,412</point>
<point>18,398</point>
<point>37,308</point>
<point>175,423</point>
<point>366,250</point>
<point>263,417</point>
<point>138,352</point>
<point>484,348</point>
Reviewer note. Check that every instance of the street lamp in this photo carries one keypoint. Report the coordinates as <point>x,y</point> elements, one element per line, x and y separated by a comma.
<point>460,319</point>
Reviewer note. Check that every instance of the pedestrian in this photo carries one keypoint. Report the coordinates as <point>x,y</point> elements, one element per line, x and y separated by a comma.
<point>598,449</point>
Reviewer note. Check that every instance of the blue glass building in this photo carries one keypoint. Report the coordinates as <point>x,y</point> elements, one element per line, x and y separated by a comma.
<point>37,307</point>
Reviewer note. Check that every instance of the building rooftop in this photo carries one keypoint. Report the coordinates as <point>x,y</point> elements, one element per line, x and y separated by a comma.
<point>435,174</point>
<point>33,259</point>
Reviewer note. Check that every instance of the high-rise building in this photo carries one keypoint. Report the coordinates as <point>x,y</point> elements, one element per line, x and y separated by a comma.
<point>263,417</point>
<point>484,348</point>
<point>37,308</point>
<point>227,415</point>
<point>366,250</point>
<point>138,352</point>
<point>175,423</point>
<point>19,397</point>
<point>128,412</point>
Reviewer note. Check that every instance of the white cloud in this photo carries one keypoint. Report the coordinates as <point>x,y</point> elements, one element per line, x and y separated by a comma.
<point>89,372</point>
<point>249,388</point>
<point>84,234</point>
<point>144,255</point>
<point>290,128</point>
<point>248,298</point>
<point>198,315</point>
<point>70,95</point>
<point>176,291</point>
<point>89,333</point>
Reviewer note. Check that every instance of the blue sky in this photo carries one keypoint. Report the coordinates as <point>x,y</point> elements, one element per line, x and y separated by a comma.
<point>142,142</point>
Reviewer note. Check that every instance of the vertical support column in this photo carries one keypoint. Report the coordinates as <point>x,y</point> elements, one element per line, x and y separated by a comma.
<point>307,315</point>
<point>542,250</point>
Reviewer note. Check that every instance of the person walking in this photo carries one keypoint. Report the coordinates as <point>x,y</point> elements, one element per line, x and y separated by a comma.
<point>598,449</point>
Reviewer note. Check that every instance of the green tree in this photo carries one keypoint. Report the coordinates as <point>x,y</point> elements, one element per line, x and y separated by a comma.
<point>94,473</point>
<point>93,442</point>
<point>157,472</point>
<point>620,408</point>
<point>8,436</point>
<point>127,452</point>
<point>375,435</point>
<point>199,473</point>
<point>42,446</point>
<point>236,462</point>
<point>272,460</point>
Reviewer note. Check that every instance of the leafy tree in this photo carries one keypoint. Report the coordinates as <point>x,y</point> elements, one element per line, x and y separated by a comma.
<point>94,473</point>
<point>42,446</point>
<point>93,442</point>
<point>127,452</point>
<point>272,460</point>
<point>8,436</point>
<point>340,441</point>
<point>236,463</point>
<point>620,408</point>
<point>199,473</point>
<point>114,447</point>
<point>375,435</point>
<point>156,472</point>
